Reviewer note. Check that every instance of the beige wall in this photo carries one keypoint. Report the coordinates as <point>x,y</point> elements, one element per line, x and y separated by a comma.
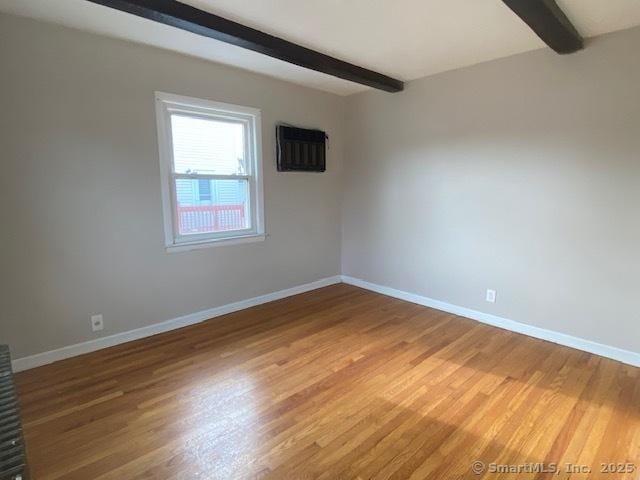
<point>521,174</point>
<point>80,189</point>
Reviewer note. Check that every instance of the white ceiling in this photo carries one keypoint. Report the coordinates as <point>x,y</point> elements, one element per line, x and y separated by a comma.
<point>405,39</point>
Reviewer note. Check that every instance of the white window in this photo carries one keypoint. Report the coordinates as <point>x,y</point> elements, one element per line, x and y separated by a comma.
<point>211,169</point>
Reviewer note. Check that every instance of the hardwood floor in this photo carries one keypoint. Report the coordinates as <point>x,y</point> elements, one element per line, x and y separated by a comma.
<point>335,383</point>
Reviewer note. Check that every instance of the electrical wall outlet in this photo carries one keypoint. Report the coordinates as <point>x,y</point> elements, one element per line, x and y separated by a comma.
<point>97,323</point>
<point>491,296</point>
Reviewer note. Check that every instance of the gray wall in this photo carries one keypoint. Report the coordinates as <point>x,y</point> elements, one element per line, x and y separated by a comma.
<point>521,174</point>
<point>80,189</point>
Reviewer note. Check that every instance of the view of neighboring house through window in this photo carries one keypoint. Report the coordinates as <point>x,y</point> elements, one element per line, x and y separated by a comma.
<point>211,170</point>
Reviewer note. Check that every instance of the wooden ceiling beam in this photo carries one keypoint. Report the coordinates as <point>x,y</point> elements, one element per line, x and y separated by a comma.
<point>549,22</point>
<point>191,19</point>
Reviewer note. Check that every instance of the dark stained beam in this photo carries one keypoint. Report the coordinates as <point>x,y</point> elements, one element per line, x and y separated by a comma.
<point>191,19</point>
<point>549,22</point>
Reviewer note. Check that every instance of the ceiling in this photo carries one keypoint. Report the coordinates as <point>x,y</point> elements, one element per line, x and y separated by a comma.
<point>405,39</point>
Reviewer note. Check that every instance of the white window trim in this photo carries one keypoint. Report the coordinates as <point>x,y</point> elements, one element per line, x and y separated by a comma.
<point>166,103</point>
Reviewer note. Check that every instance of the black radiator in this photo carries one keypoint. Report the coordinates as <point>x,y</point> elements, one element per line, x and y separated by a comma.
<point>13,461</point>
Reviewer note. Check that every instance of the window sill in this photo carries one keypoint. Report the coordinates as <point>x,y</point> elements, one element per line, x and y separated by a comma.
<point>220,242</point>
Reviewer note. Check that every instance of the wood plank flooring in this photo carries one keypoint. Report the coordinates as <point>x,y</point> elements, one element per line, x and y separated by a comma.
<point>338,383</point>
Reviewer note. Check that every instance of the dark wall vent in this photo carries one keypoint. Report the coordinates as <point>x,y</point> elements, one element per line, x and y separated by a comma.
<point>300,150</point>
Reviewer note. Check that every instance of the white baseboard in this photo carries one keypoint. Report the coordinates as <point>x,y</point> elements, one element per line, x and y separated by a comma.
<point>624,356</point>
<point>44,358</point>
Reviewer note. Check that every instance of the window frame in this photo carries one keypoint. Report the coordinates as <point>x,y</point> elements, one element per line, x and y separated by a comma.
<point>168,104</point>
